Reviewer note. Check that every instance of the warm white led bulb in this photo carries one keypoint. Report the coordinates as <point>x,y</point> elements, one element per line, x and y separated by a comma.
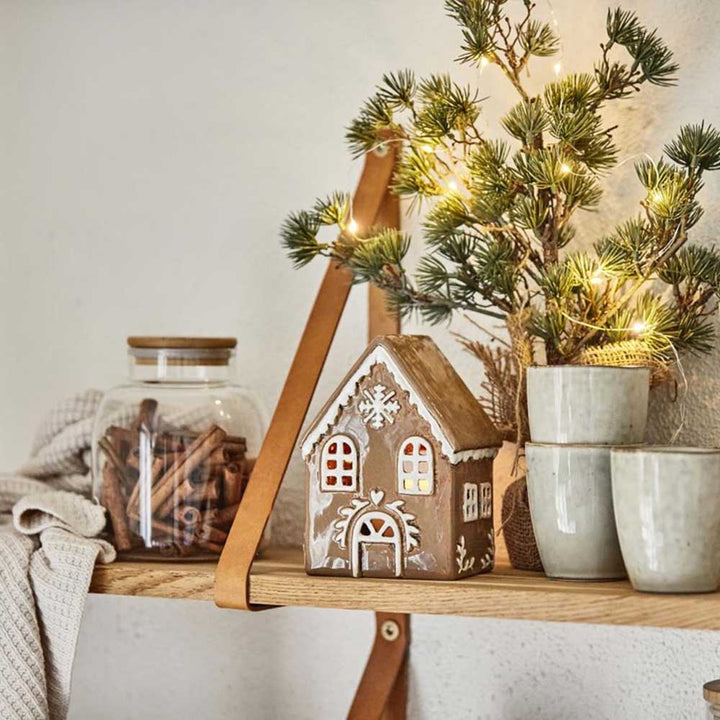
<point>353,227</point>
<point>484,62</point>
<point>427,148</point>
<point>452,185</point>
<point>565,169</point>
<point>597,277</point>
<point>558,68</point>
<point>657,196</point>
<point>639,327</point>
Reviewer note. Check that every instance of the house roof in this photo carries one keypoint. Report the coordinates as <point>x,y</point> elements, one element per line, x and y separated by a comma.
<point>439,394</point>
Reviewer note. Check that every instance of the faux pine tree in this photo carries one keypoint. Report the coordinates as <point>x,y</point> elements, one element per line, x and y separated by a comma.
<point>498,227</point>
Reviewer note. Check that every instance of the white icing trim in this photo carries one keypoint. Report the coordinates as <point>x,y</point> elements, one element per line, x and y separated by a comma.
<point>479,454</point>
<point>381,355</point>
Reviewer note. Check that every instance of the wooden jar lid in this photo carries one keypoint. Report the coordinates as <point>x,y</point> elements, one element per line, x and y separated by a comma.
<point>152,342</point>
<point>711,691</point>
<point>190,351</point>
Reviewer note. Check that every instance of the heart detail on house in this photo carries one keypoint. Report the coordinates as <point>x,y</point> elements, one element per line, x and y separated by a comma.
<point>376,496</point>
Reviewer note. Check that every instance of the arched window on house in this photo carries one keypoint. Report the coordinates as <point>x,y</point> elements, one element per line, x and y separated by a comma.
<point>339,464</point>
<point>415,471</point>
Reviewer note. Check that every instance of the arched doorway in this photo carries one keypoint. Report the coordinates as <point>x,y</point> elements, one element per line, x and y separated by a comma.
<point>376,548</point>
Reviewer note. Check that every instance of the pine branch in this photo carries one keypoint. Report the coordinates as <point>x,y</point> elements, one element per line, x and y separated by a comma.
<point>499,229</point>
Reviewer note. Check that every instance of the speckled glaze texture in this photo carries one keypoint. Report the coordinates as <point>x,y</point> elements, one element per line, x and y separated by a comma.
<point>588,404</point>
<point>570,493</point>
<point>667,509</point>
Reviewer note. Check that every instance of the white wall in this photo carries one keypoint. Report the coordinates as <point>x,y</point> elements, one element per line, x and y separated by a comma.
<point>148,153</point>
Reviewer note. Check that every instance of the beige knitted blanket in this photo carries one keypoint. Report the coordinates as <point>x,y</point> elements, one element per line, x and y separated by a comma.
<point>47,553</point>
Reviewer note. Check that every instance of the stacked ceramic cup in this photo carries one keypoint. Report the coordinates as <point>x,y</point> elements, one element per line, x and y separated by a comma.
<point>667,510</point>
<point>576,414</point>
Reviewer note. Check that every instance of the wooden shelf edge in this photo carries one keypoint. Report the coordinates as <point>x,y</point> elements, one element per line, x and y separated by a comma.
<point>279,579</point>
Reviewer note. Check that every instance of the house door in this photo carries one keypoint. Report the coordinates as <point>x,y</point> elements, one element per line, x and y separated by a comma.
<point>376,546</point>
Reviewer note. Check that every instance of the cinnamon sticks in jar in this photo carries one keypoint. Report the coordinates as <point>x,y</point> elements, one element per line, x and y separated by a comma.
<point>171,493</point>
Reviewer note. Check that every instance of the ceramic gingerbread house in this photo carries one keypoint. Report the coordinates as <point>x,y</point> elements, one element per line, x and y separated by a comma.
<point>399,470</point>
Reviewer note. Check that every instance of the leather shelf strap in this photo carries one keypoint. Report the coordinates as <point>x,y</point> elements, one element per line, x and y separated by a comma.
<point>233,572</point>
<point>382,691</point>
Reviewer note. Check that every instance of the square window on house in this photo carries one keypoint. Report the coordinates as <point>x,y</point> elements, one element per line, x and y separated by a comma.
<point>486,500</point>
<point>470,502</point>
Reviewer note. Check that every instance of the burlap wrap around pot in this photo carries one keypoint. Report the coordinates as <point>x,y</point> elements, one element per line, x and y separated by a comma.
<point>518,529</point>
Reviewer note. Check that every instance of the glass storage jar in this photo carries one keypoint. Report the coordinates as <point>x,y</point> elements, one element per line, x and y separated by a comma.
<point>173,449</point>
<point>711,693</point>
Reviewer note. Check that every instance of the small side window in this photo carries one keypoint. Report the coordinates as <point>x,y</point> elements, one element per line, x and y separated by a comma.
<point>339,464</point>
<point>486,500</point>
<point>470,502</point>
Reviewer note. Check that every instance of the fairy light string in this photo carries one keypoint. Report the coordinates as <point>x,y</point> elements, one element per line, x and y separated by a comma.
<point>637,329</point>
<point>453,182</point>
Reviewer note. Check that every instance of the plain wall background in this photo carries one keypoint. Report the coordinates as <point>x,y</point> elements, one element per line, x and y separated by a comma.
<point>148,154</point>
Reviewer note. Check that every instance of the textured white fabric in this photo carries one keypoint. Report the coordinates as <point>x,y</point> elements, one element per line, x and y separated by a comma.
<point>47,555</point>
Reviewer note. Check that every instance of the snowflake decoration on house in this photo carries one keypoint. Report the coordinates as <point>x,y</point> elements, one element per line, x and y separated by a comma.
<point>379,407</point>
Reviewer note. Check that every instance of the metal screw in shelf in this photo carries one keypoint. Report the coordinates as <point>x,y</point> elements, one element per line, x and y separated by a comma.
<point>390,631</point>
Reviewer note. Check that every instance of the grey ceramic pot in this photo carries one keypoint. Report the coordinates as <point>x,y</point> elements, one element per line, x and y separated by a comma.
<point>667,509</point>
<point>588,404</point>
<point>570,493</point>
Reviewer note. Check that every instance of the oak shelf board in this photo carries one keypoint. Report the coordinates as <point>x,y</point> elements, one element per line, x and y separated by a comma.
<point>279,579</point>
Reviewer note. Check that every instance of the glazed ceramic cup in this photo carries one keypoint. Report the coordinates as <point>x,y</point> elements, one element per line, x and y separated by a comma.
<point>570,493</point>
<point>588,404</point>
<point>667,509</point>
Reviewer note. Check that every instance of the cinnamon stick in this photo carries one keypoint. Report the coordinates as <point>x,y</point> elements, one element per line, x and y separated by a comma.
<point>112,499</point>
<point>235,447</point>
<point>211,546</point>
<point>173,532</point>
<point>225,515</point>
<point>155,473</point>
<point>175,549</point>
<point>233,483</point>
<point>123,440</point>
<point>211,533</point>
<point>190,494</point>
<point>188,515</point>
<point>172,481</point>
<point>146,415</point>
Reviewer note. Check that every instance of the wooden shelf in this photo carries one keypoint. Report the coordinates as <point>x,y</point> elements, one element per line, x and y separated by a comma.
<point>279,579</point>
